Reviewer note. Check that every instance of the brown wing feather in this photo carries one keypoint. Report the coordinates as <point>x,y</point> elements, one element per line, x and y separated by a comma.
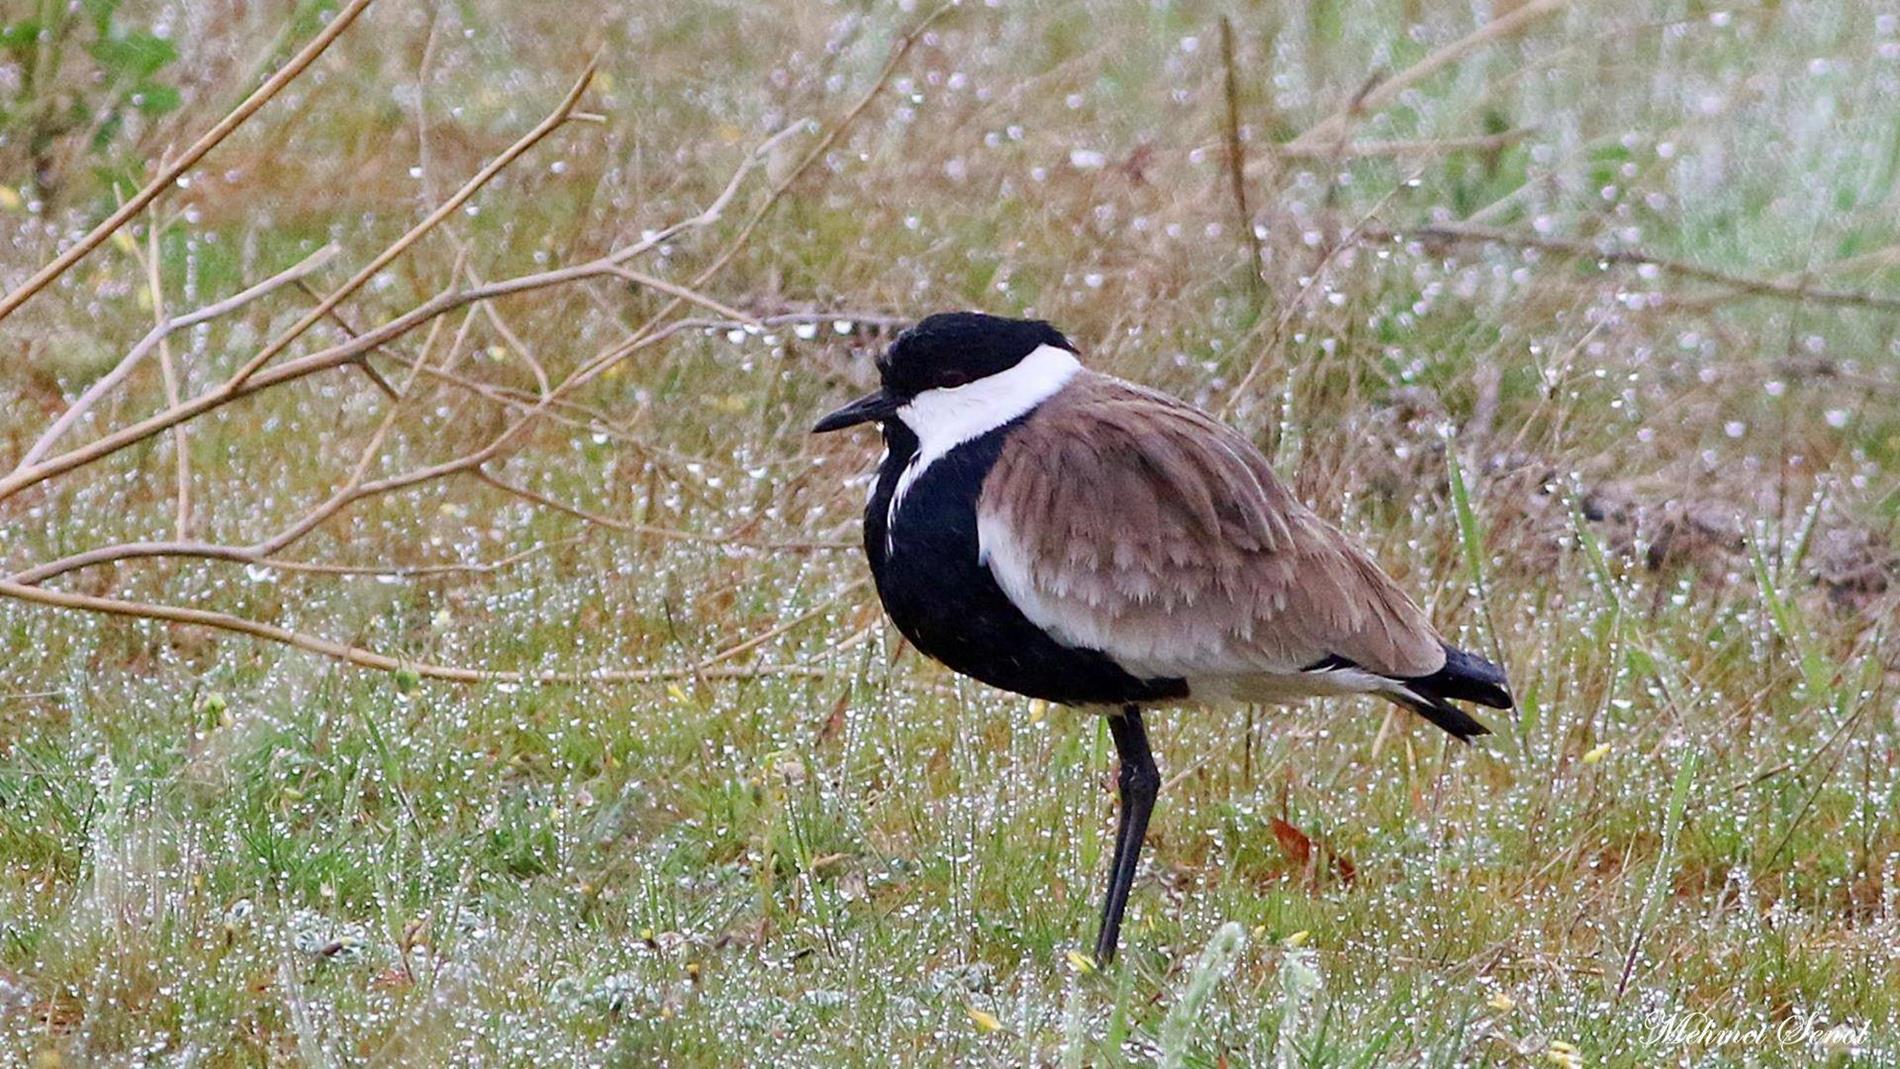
<point>1128,521</point>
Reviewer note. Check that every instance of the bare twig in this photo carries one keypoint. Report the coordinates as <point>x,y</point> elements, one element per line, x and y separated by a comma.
<point>366,658</point>
<point>521,348</point>
<point>684,293</point>
<point>410,571</point>
<point>104,384</point>
<point>401,245</point>
<point>1334,127</point>
<point>535,497</point>
<point>1237,163</point>
<point>1793,290</point>
<point>31,474</point>
<point>374,376</point>
<point>1432,146</point>
<point>288,371</point>
<point>295,66</point>
<point>817,152</point>
<point>181,434</point>
<point>524,412</point>
<point>805,617</point>
<point>249,556</point>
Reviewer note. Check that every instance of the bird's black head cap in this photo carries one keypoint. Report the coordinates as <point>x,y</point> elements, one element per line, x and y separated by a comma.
<point>952,348</point>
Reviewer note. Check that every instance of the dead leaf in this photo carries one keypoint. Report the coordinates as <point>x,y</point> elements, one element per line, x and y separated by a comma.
<point>835,722</point>
<point>1293,841</point>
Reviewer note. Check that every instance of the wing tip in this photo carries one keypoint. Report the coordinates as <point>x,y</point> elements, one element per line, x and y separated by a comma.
<point>1440,713</point>
<point>1466,677</point>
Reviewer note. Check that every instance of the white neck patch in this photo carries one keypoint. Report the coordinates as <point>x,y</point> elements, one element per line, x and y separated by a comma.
<point>943,419</point>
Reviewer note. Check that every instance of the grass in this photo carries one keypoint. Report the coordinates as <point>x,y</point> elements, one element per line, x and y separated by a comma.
<point>1669,508</point>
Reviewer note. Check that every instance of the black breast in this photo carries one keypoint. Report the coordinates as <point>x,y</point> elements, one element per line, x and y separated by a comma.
<point>946,602</point>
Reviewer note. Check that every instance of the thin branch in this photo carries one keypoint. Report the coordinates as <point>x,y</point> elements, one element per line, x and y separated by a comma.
<point>353,490</point>
<point>684,293</point>
<point>1460,233</point>
<point>401,245</point>
<point>805,617</point>
<point>366,658</point>
<point>1335,126</point>
<point>585,417</point>
<point>181,434</point>
<point>1237,163</point>
<point>495,319</point>
<point>644,336</point>
<point>717,208</point>
<point>255,555</point>
<point>1433,146</point>
<point>807,545</point>
<point>28,475</point>
<point>288,371</point>
<point>104,384</point>
<point>124,551</point>
<point>246,555</point>
<point>235,118</point>
<point>410,571</point>
<point>537,498</point>
<point>374,376</point>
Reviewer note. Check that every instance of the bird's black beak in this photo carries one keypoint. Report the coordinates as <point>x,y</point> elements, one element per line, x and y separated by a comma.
<point>879,406</point>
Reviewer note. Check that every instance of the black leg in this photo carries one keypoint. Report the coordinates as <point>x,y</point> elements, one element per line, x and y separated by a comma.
<point>1140,782</point>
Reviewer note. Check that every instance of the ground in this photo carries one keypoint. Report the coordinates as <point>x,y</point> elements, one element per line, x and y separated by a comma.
<point>1578,324</point>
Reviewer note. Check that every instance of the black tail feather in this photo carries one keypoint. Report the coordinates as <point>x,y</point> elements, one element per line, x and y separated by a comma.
<point>1461,725</point>
<point>1466,677</point>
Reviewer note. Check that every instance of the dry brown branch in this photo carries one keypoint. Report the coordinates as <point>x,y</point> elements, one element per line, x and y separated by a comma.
<point>261,553</point>
<point>411,571</point>
<point>293,67</point>
<point>374,376</point>
<point>640,337</point>
<point>1237,162</point>
<point>535,497</point>
<point>521,348</point>
<point>801,619</point>
<point>402,244</point>
<point>1869,261</point>
<point>1430,146</point>
<point>181,436</point>
<point>1784,289</point>
<point>366,658</point>
<point>432,365</point>
<point>353,490</point>
<point>27,475</point>
<point>1335,126</point>
<point>684,293</point>
<point>105,383</point>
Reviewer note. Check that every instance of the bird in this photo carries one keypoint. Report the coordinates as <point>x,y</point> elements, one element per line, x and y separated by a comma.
<point>1066,535</point>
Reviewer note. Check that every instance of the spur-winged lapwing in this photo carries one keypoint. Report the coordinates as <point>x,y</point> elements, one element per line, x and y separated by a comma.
<point>1070,536</point>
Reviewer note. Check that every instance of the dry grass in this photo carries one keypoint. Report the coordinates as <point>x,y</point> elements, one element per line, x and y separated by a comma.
<point>1662,490</point>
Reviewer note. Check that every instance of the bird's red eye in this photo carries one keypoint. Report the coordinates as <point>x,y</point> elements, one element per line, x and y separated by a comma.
<point>950,380</point>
